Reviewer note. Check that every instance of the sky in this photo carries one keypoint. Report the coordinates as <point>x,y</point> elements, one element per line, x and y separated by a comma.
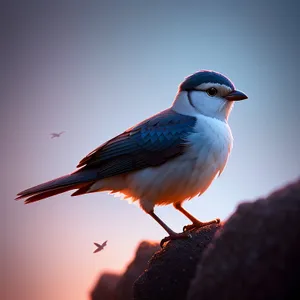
<point>95,68</point>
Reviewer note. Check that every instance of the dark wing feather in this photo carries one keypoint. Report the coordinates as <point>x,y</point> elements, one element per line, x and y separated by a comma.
<point>150,143</point>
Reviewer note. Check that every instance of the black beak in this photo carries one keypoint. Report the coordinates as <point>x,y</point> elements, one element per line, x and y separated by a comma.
<point>236,96</point>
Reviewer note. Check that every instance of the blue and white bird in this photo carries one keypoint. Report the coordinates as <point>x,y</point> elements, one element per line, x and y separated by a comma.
<point>169,158</point>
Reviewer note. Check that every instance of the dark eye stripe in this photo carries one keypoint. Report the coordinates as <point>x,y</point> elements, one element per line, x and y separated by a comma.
<point>190,99</point>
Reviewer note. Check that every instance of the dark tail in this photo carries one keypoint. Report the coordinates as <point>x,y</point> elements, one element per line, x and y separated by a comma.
<point>77,180</point>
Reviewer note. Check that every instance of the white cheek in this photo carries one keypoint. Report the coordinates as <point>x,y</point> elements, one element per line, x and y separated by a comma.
<point>205,104</point>
<point>194,103</point>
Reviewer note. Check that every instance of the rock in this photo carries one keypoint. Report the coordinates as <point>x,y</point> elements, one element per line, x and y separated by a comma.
<point>256,255</point>
<point>171,269</point>
<point>124,288</point>
<point>105,287</point>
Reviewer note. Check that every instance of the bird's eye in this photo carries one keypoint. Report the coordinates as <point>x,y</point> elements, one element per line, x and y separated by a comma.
<point>212,91</point>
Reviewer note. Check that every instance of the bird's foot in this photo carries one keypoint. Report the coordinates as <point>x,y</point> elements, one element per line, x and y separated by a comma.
<point>175,236</point>
<point>200,224</point>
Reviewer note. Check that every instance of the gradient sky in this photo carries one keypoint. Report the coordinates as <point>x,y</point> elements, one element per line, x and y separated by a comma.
<point>95,68</point>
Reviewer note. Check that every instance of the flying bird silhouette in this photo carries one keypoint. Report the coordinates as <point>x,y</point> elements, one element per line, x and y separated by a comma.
<point>56,135</point>
<point>99,247</point>
<point>168,158</point>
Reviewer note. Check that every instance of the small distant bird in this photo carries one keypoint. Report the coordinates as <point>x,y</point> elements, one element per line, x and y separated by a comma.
<point>167,159</point>
<point>54,135</point>
<point>99,247</point>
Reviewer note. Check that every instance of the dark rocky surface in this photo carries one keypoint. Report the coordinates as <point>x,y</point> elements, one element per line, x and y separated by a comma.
<point>171,269</point>
<point>256,255</point>
<point>124,288</point>
<point>105,287</point>
<point>253,255</point>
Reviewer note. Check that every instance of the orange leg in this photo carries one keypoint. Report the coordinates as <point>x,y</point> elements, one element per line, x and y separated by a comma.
<point>172,234</point>
<point>195,222</point>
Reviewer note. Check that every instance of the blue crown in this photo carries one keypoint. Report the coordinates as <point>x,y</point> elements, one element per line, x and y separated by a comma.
<point>204,76</point>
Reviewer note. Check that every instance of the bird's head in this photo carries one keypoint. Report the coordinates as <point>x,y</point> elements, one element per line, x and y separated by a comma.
<point>208,93</point>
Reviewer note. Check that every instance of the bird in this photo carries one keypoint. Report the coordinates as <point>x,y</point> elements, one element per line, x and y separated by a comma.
<point>167,159</point>
<point>99,247</point>
<point>54,135</point>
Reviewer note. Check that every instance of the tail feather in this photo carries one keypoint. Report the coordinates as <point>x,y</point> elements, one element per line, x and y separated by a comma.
<point>50,193</point>
<point>59,185</point>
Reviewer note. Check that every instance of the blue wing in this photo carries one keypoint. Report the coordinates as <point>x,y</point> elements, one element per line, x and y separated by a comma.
<point>150,143</point>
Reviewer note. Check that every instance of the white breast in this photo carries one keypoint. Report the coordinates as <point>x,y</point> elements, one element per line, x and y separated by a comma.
<point>211,143</point>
